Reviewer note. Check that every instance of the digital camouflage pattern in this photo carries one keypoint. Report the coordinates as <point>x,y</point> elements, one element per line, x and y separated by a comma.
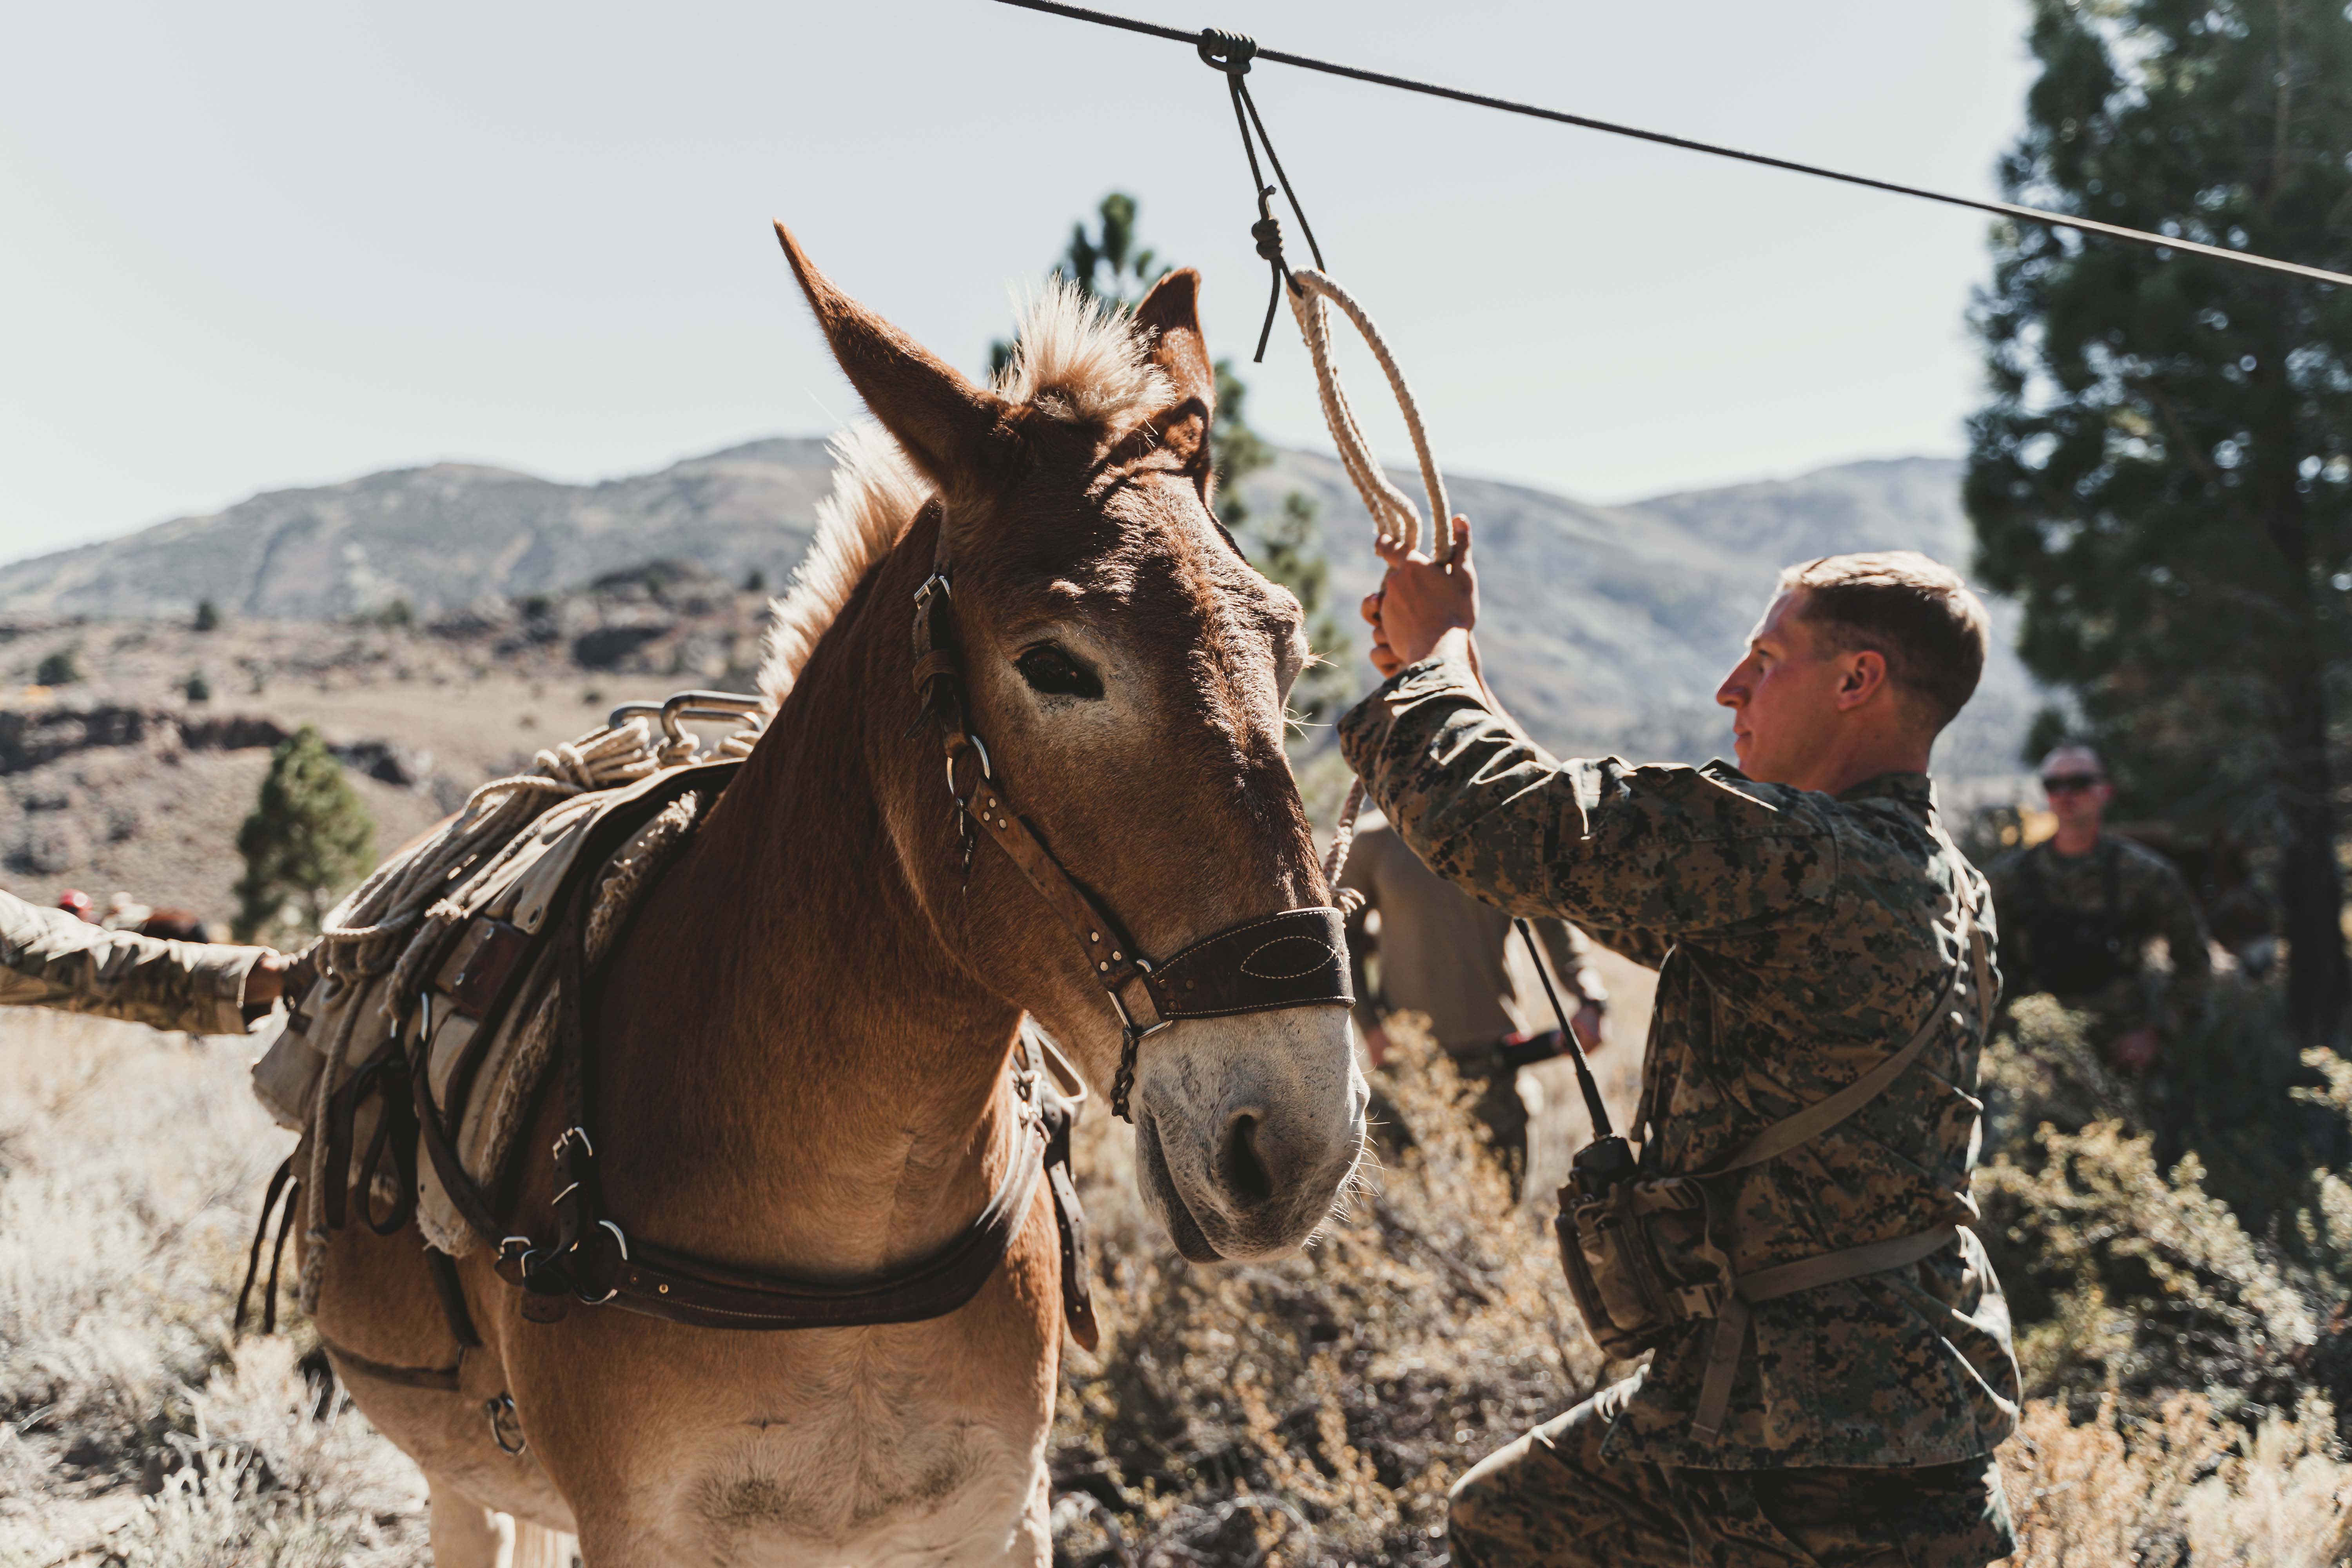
<point>1800,940</point>
<point>2152,901</point>
<point>1552,1500</point>
<point>49,959</point>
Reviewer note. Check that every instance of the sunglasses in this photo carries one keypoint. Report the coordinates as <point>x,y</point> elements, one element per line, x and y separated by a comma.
<point>2066,783</point>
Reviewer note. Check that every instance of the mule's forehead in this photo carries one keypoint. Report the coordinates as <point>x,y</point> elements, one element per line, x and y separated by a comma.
<point>1144,559</point>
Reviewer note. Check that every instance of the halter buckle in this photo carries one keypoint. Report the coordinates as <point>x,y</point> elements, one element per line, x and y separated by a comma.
<point>934,584</point>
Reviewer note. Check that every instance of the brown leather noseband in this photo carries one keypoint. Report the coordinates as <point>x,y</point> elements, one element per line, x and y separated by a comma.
<point>1296,958</point>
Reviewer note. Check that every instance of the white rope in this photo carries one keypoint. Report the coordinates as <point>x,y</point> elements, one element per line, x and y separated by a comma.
<point>392,921</point>
<point>1395,520</point>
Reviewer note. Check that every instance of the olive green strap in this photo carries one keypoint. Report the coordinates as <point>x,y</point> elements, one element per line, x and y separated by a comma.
<point>1730,1336</point>
<point>1821,1115</point>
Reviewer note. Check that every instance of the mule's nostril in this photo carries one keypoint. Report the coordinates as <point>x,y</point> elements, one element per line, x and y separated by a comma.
<point>1245,1175</point>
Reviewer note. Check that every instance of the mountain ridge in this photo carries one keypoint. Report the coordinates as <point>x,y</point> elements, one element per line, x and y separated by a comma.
<point>1606,625</point>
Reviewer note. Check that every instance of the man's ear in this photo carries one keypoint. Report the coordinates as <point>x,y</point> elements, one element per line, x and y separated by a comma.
<point>1865,674</point>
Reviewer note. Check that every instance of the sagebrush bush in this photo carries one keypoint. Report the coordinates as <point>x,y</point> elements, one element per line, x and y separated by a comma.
<point>1318,1408</point>
<point>131,1432</point>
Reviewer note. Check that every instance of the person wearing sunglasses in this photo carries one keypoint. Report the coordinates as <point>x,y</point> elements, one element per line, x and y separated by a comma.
<point>2080,909</point>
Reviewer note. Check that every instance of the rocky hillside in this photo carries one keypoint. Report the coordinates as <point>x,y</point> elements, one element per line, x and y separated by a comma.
<point>1606,628</point>
<point>440,539</point>
<point>1609,624</point>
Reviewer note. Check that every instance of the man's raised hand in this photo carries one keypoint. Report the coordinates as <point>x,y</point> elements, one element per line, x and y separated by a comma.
<point>1421,601</point>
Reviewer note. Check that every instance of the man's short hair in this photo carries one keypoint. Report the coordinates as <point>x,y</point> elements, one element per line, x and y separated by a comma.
<point>1912,612</point>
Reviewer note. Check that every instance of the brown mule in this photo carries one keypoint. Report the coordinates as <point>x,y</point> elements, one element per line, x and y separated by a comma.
<point>798,1053</point>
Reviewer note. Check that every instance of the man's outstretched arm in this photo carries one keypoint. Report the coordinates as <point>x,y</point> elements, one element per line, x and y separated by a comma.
<point>49,959</point>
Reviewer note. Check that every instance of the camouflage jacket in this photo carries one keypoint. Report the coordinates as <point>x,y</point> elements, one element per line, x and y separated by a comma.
<point>1800,939</point>
<point>2151,901</point>
<point>49,959</point>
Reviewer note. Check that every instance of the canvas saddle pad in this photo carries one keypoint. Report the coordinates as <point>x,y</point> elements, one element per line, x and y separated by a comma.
<point>493,965</point>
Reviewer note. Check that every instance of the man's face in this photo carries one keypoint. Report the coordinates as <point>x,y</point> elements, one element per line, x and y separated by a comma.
<point>2077,788</point>
<point>1783,697</point>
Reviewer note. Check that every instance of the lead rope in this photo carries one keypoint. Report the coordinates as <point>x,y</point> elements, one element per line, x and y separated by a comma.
<point>1395,520</point>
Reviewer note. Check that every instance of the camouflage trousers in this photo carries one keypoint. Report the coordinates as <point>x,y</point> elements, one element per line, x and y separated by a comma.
<point>1550,1500</point>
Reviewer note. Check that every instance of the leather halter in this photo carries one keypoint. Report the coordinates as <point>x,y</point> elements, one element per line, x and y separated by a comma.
<point>1296,958</point>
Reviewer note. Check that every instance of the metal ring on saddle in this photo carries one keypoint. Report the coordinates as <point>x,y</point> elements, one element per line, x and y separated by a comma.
<point>683,705</point>
<point>504,1415</point>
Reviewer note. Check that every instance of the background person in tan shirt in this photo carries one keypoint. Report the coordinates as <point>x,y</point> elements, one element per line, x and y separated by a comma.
<point>1442,953</point>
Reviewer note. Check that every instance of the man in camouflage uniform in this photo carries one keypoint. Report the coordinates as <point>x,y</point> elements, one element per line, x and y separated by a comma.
<point>1806,918</point>
<point>48,958</point>
<point>2079,911</point>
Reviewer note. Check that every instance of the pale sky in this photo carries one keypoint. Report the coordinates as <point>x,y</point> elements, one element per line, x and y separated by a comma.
<point>251,246</point>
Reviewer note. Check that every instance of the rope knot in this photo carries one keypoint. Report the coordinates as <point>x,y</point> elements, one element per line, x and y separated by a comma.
<point>1267,232</point>
<point>1228,52</point>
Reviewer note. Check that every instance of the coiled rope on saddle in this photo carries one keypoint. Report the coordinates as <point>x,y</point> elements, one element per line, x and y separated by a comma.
<point>1396,520</point>
<point>397,920</point>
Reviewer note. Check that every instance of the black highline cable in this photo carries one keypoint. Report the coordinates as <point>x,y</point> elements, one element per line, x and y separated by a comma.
<point>1999,209</point>
<point>1232,53</point>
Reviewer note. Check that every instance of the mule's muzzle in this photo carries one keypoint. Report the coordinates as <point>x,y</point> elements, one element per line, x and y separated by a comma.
<point>1250,1171</point>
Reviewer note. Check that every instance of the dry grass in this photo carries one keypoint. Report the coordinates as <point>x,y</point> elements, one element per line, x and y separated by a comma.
<point>1318,1408</point>
<point>1310,1412</point>
<point>129,1163</point>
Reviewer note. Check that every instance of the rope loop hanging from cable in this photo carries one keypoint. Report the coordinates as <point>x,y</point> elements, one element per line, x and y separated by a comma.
<point>1230,54</point>
<point>1396,521</point>
<point>1395,518</point>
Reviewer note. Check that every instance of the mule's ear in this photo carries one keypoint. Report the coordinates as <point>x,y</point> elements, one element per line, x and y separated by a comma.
<point>957,433</point>
<point>1172,313</point>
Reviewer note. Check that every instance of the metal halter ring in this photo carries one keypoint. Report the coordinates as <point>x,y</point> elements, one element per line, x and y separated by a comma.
<point>987,766</point>
<point>623,1243</point>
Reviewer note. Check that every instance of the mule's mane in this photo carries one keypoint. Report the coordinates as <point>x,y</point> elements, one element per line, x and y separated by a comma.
<point>1075,358</point>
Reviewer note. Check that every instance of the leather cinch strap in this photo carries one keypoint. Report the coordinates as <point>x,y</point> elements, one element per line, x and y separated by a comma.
<point>1728,1340</point>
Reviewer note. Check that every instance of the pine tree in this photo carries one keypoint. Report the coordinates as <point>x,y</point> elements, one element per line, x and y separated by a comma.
<point>310,836</point>
<point>2164,471</point>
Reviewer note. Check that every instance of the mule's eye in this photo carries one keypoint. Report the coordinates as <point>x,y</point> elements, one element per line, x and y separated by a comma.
<point>1048,670</point>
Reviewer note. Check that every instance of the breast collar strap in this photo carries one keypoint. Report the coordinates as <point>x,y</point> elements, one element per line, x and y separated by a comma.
<point>1296,958</point>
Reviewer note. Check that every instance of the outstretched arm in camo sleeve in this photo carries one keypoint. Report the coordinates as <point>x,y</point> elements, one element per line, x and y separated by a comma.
<point>49,959</point>
<point>1648,855</point>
